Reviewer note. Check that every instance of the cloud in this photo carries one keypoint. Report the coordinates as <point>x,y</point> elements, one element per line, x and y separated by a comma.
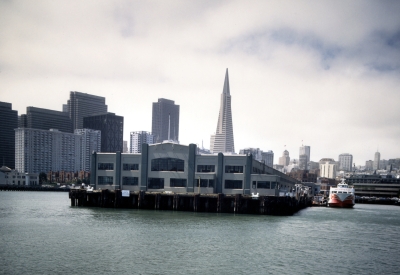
<point>324,72</point>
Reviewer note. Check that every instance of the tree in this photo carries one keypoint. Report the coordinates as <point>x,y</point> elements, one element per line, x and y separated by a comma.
<point>42,178</point>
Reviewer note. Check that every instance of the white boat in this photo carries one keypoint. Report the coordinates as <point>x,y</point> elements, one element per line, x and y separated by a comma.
<point>342,195</point>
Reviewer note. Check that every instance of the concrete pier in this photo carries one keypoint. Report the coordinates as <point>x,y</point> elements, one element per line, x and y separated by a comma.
<point>214,203</point>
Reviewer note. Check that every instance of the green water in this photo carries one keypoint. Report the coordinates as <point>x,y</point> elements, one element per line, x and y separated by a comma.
<point>40,233</point>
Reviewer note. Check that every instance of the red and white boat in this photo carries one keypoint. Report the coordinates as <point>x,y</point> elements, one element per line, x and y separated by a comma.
<point>342,195</point>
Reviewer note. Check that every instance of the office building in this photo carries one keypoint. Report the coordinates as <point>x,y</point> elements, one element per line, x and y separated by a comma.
<point>81,105</point>
<point>222,141</point>
<point>9,121</point>
<point>268,158</point>
<point>284,159</point>
<point>369,164</point>
<point>259,155</point>
<point>305,150</point>
<point>90,142</point>
<point>39,151</point>
<point>303,162</point>
<point>327,167</point>
<point>137,139</point>
<point>112,130</point>
<point>345,162</point>
<point>125,149</point>
<point>179,169</point>
<point>165,121</point>
<point>45,119</point>
<point>377,159</point>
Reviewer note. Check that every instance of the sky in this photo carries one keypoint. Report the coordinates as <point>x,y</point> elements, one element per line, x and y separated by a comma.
<point>320,73</point>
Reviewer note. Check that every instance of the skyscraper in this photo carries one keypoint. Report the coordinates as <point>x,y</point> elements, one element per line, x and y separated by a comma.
<point>112,130</point>
<point>137,139</point>
<point>305,150</point>
<point>284,159</point>
<point>81,105</point>
<point>345,162</point>
<point>165,120</point>
<point>222,140</point>
<point>9,121</point>
<point>39,151</point>
<point>376,161</point>
<point>45,119</point>
<point>90,142</point>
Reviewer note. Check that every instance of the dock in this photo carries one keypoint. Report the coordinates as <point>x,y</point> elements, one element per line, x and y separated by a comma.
<point>194,202</point>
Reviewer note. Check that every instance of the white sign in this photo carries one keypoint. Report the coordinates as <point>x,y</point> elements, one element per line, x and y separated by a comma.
<point>125,193</point>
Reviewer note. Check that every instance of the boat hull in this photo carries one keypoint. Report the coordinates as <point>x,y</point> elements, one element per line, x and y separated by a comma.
<point>335,201</point>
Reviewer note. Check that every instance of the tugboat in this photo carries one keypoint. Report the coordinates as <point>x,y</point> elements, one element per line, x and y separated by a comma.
<point>342,195</point>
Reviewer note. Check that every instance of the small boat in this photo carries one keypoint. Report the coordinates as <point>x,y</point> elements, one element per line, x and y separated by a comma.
<point>342,195</point>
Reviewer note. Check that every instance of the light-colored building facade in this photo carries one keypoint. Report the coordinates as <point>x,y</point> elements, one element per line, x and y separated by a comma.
<point>284,159</point>
<point>305,150</point>
<point>13,177</point>
<point>90,142</point>
<point>345,162</point>
<point>377,159</point>
<point>171,167</point>
<point>222,141</point>
<point>327,167</point>
<point>137,139</point>
<point>42,151</point>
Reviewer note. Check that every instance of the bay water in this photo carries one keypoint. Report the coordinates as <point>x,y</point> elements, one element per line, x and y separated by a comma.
<point>40,233</point>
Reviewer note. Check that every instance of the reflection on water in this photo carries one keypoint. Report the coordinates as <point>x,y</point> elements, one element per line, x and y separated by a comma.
<point>41,233</point>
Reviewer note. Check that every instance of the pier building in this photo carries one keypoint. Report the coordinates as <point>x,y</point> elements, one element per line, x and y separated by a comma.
<point>175,168</point>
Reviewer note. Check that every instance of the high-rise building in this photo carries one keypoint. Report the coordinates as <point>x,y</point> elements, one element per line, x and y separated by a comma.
<point>376,161</point>
<point>165,120</point>
<point>369,164</point>
<point>112,130</point>
<point>305,150</point>
<point>137,139</point>
<point>222,140</point>
<point>284,159</point>
<point>303,162</point>
<point>45,119</point>
<point>345,162</point>
<point>9,122</point>
<point>125,150</point>
<point>268,158</point>
<point>90,142</point>
<point>39,151</point>
<point>81,105</point>
<point>327,167</point>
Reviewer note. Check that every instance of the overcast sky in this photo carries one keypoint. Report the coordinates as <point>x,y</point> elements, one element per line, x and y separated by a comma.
<point>319,73</point>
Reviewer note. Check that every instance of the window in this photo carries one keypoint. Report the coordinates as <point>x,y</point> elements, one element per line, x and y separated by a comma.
<point>233,169</point>
<point>203,182</point>
<point>254,184</point>
<point>177,183</point>
<point>130,180</point>
<point>105,166</point>
<point>233,184</point>
<point>130,166</point>
<point>210,183</point>
<point>273,185</point>
<point>263,184</point>
<point>167,164</point>
<point>103,180</point>
<point>206,168</point>
<point>156,183</point>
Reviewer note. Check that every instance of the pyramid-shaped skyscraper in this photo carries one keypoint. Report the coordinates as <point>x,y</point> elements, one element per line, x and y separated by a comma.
<point>222,141</point>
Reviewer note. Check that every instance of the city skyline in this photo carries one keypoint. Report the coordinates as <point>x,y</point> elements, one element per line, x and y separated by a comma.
<point>292,79</point>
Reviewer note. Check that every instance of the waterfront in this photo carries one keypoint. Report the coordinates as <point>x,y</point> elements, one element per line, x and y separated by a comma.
<point>40,233</point>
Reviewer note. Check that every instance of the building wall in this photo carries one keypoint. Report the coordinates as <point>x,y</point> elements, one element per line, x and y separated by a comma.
<point>90,142</point>
<point>345,162</point>
<point>44,119</point>
<point>9,121</point>
<point>42,151</point>
<point>165,120</point>
<point>137,139</point>
<point>81,105</point>
<point>228,174</point>
<point>112,130</point>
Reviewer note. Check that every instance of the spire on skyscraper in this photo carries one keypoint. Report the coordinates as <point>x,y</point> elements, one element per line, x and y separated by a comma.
<point>223,140</point>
